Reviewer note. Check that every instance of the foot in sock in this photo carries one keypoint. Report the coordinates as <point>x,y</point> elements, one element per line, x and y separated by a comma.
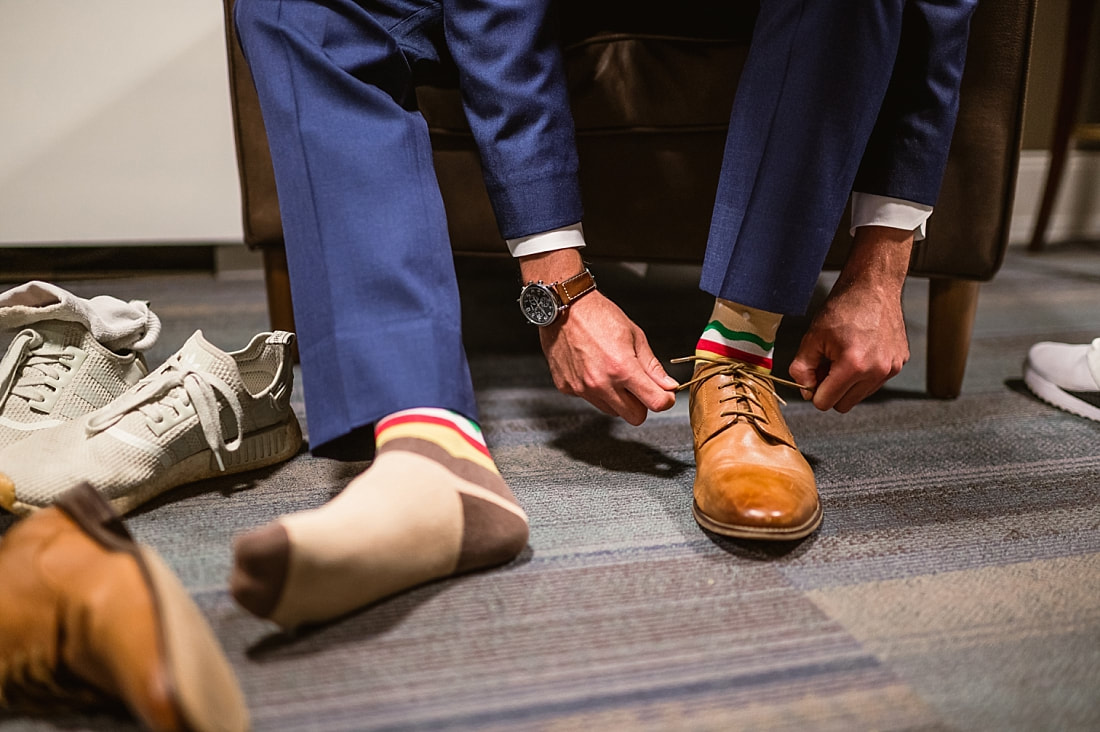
<point>431,505</point>
<point>740,333</point>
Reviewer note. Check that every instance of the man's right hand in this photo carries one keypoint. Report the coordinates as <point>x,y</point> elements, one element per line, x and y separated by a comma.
<point>595,351</point>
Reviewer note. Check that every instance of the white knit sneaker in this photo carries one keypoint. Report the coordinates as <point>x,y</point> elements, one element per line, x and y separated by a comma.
<point>69,357</point>
<point>55,372</point>
<point>169,429</point>
<point>1067,376</point>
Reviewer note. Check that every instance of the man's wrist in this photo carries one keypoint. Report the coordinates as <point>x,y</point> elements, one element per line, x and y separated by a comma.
<point>553,266</point>
<point>542,302</point>
<point>879,256</point>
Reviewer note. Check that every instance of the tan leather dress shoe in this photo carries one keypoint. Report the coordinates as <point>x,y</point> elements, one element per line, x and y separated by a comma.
<point>89,617</point>
<point>751,482</point>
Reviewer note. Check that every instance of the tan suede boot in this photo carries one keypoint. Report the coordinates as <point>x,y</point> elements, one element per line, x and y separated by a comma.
<point>89,616</point>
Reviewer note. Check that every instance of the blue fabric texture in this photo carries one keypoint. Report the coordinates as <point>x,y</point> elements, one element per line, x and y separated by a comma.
<point>372,276</point>
<point>830,88</point>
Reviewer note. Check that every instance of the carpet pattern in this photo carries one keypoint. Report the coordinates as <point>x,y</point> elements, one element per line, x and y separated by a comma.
<point>954,584</point>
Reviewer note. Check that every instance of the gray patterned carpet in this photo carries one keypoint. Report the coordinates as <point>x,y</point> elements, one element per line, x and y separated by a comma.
<point>955,582</point>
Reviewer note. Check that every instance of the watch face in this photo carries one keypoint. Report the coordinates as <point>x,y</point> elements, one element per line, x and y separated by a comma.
<point>538,304</point>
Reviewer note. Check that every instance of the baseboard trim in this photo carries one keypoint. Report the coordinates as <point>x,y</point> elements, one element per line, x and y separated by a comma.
<point>19,264</point>
<point>1077,209</point>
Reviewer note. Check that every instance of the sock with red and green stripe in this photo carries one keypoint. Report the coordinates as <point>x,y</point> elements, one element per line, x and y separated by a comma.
<point>741,333</point>
<point>432,504</point>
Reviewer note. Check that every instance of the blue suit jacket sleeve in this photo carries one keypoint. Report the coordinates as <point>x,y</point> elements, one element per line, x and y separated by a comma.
<point>907,153</point>
<point>512,80</point>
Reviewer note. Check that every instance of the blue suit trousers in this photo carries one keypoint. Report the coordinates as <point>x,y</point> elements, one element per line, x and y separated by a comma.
<point>371,271</point>
<point>372,275</point>
<point>834,94</point>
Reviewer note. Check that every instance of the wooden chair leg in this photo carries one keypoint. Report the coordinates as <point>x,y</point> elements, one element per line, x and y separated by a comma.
<point>1073,71</point>
<point>952,304</point>
<point>277,281</point>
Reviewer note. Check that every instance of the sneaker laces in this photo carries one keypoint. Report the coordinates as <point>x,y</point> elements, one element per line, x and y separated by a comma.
<point>165,394</point>
<point>745,381</point>
<point>31,367</point>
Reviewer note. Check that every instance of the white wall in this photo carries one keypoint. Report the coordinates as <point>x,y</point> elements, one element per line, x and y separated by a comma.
<point>1076,214</point>
<point>115,124</point>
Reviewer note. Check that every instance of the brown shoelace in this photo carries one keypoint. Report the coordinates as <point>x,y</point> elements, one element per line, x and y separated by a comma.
<point>745,381</point>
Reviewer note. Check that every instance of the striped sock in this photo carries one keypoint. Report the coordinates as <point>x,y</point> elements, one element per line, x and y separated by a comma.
<point>432,504</point>
<point>741,333</point>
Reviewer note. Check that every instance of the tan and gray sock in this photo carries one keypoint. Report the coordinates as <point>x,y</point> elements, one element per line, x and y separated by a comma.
<point>432,504</point>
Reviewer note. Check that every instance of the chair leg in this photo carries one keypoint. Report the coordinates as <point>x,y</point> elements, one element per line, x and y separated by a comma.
<point>1073,70</point>
<point>277,280</point>
<point>952,304</point>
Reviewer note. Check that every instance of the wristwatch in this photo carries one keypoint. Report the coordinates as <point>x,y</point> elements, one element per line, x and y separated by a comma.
<point>541,303</point>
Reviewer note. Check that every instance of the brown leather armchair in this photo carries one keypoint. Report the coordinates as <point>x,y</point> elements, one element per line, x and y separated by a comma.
<point>651,98</point>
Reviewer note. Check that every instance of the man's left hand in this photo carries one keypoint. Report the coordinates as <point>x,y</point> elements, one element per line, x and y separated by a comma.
<point>857,342</point>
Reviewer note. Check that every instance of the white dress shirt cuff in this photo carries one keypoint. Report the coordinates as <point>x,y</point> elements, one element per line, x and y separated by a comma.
<point>871,210</point>
<point>547,241</point>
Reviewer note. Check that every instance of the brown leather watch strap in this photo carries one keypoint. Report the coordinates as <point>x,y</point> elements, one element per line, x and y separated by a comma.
<point>574,287</point>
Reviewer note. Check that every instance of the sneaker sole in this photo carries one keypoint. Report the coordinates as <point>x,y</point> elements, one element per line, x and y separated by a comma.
<point>758,533</point>
<point>259,449</point>
<point>1055,396</point>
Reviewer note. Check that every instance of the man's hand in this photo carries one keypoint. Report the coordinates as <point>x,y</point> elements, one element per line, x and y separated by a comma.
<point>857,342</point>
<point>599,354</point>
<point>595,351</point>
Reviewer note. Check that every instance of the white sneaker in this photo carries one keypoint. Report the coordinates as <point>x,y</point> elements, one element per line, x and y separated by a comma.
<point>1067,376</point>
<point>169,429</point>
<point>56,371</point>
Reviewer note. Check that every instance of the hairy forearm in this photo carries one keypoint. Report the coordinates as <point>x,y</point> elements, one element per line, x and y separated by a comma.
<point>879,258</point>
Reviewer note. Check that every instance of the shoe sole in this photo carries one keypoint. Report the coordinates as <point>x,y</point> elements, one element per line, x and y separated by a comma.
<point>204,689</point>
<point>759,533</point>
<point>207,694</point>
<point>259,449</point>
<point>1055,396</point>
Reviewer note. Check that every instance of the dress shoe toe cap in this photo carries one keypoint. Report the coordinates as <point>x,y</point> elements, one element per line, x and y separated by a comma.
<point>770,499</point>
